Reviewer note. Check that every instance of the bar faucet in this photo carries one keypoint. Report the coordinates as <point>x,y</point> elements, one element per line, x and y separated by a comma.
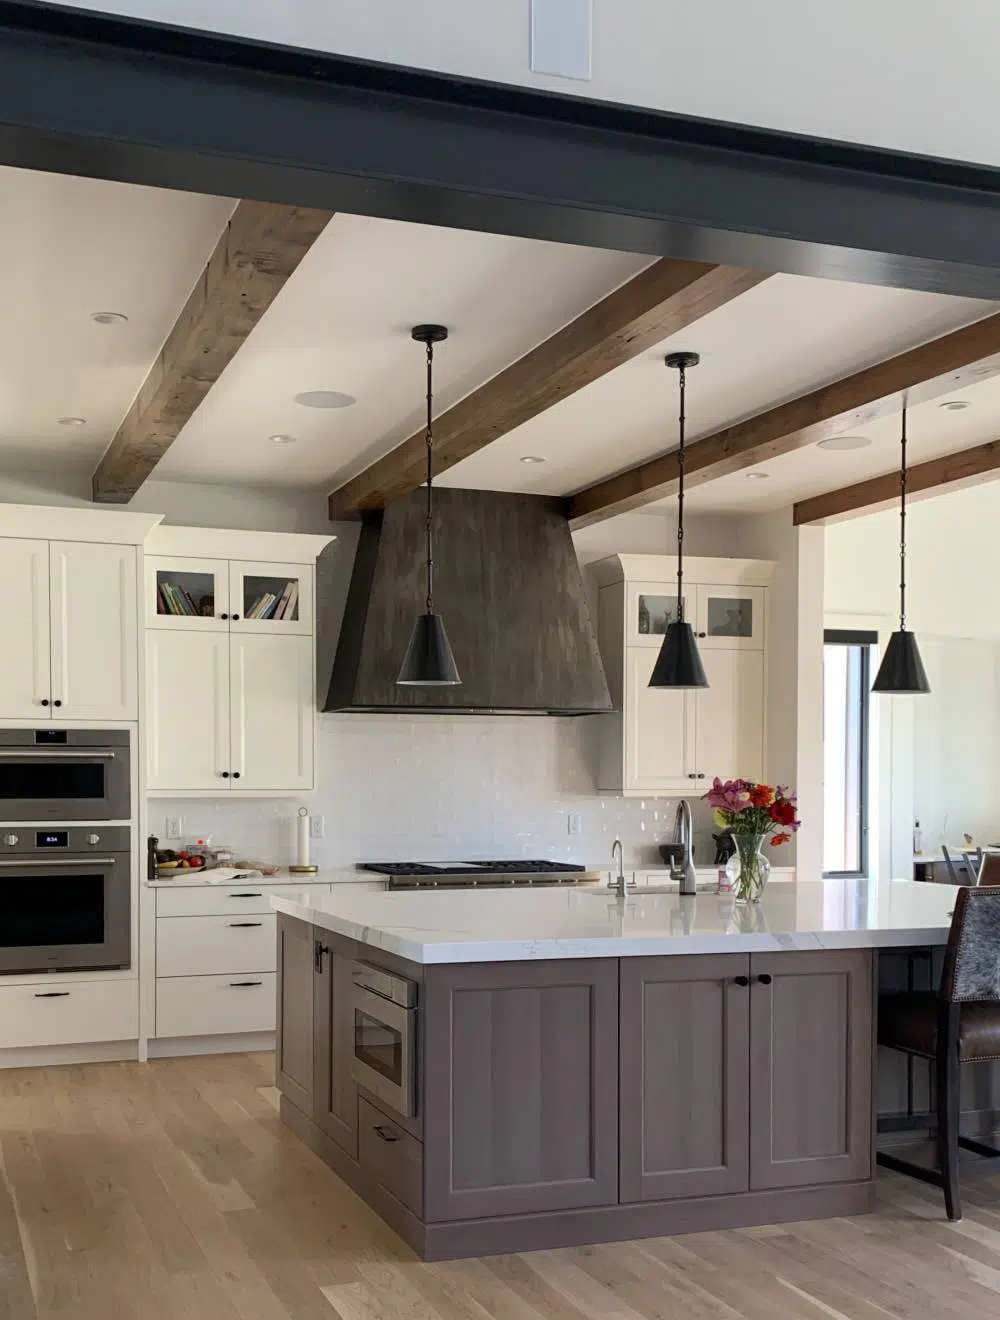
<point>682,869</point>
<point>619,883</point>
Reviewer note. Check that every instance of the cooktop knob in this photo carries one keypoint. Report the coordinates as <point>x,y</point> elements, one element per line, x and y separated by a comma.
<point>93,838</point>
<point>11,840</point>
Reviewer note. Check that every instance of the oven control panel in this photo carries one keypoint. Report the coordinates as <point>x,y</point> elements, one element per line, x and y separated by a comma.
<point>69,839</point>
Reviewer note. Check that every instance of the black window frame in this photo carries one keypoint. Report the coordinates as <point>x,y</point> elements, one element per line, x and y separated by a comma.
<point>865,640</point>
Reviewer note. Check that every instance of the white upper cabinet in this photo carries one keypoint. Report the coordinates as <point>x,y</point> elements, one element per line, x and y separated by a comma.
<point>188,729</point>
<point>25,663</point>
<point>671,743</point>
<point>271,685</point>
<point>74,652</point>
<point>187,594</point>
<point>271,599</point>
<point>94,631</point>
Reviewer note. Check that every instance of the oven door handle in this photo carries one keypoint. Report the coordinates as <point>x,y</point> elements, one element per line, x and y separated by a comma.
<point>84,860</point>
<point>52,754</point>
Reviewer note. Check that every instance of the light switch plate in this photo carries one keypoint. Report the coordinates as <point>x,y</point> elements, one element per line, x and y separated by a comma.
<point>562,38</point>
<point>174,827</point>
<point>573,823</point>
<point>317,827</point>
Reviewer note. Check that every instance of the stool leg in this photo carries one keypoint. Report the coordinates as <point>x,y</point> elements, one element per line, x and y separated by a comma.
<point>948,1108</point>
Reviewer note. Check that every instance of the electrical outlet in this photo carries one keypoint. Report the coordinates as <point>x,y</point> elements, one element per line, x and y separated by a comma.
<point>573,823</point>
<point>174,827</point>
<point>317,827</point>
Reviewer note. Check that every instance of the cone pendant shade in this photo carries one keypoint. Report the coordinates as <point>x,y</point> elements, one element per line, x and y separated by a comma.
<point>901,670</point>
<point>429,661</point>
<point>678,665</point>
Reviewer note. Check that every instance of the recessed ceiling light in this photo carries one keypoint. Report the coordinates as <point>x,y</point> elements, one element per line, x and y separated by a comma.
<point>532,458</point>
<point>758,476</point>
<point>845,442</point>
<point>109,318</point>
<point>324,399</point>
<point>72,421</point>
<point>954,405</point>
<point>282,439</point>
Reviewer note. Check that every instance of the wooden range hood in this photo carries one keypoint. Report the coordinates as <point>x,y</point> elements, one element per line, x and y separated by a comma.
<point>507,583</point>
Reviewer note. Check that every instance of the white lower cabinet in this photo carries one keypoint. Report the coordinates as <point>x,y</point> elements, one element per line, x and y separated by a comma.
<point>227,1005</point>
<point>70,1013</point>
<point>199,946</point>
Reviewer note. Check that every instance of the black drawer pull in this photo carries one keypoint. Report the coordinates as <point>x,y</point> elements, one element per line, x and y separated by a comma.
<point>244,925</point>
<point>385,1135</point>
<point>248,893</point>
<point>764,979</point>
<point>52,994</point>
<point>239,985</point>
<point>741,980</point>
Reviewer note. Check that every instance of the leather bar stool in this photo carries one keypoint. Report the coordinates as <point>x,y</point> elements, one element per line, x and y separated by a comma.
<point>958,1024</point>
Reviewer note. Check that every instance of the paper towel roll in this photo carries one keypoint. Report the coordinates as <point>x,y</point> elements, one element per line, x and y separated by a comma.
<point>302,840</point>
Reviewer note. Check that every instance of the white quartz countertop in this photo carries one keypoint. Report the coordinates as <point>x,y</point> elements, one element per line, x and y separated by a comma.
<point>513,925</point>
<point>201,879</point>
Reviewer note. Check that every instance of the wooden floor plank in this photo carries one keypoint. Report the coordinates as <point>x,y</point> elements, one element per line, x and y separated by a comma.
<point>170,1191</point>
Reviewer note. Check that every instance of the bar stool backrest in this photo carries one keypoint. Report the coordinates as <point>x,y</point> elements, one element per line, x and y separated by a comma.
<point>972,959</point>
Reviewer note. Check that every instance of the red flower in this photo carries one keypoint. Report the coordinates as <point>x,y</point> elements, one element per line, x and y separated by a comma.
<point>761,795</point>
<point>783,812</point>
<point>779,839</point>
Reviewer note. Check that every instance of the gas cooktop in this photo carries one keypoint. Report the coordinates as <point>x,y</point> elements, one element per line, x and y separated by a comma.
<point>492,874</point>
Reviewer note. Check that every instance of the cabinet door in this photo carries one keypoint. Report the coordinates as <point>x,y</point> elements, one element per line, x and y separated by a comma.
<point>294,1045</point>
<point>684,1076</point>
<point>25,681</point>
<point>95,631</point>
<point>187,594</point>
<point>271,598</point>
<point>658,729</point>
<point>810,1068</point>
<point>273,723</point>
<point>520,1087</point>
<point>729,716</point>
<point>730,618</point>
<point>187,677</point>
<point>335,1094</point>
<point>650,606</point>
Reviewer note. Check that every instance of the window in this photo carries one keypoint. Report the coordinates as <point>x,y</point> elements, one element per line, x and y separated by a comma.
<point>846,689</point>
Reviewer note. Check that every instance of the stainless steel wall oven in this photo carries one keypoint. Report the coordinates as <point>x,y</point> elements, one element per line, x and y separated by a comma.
<point>65,774</point>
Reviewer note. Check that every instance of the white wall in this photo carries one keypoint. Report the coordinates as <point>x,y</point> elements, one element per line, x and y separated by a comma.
<point>904,74</point>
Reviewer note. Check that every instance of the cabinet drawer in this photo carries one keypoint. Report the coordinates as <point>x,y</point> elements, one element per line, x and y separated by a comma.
<point>215,1005</point>
<point>201,946</point>
<point>390,1155</point>
<point>210,901</point>
<point>68,1014</point>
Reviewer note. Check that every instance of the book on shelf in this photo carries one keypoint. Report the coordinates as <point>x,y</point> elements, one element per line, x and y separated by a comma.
<point>282,605</point>
<point>171,599</point>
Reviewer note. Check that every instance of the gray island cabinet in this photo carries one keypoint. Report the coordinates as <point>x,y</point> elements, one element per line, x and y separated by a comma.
<point>587,1099</point>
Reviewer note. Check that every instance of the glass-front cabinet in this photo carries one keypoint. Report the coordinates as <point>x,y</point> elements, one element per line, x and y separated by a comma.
<point>219,595</point>
<point>730,618</point>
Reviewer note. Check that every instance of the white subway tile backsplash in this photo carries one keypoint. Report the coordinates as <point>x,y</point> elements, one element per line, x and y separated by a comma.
<point>424,787</point>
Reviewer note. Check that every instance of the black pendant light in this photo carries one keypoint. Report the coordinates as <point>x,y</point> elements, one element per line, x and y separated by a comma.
<point>902,670</point>
<point>429,661</point>
<point>679,665</point>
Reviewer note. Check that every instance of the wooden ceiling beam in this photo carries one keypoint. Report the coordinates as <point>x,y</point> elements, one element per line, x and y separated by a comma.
<point>659,302</point>
<point>967,467</point>
<point>259,250</point>
<point>927,372</point>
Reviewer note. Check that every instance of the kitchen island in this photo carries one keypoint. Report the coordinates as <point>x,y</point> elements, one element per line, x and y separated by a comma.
<point>554,1067</point>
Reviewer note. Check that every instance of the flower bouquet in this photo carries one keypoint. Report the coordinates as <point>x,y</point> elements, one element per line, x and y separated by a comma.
<point>755,814</point>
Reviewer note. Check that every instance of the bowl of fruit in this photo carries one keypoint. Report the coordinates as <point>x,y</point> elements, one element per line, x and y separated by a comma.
<point>170,864</point>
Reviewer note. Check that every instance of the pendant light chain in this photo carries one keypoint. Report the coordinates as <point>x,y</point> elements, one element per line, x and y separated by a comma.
<point>430,478</point>
<point>680,499</point>
<point>902,526</point>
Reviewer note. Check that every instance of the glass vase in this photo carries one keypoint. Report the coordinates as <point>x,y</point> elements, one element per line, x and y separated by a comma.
<point>748,869</point>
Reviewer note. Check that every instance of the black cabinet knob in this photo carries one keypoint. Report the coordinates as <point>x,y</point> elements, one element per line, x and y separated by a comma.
<point>57,702</point>
<point>692,776</point>
<point>764,979</point>
<point>45,701</point>
<point>236,774</point>
<point>223,616</point>
<point>703,634</point>
<point>741,980</point>
<point>236,616</point>
<point>225,774</point>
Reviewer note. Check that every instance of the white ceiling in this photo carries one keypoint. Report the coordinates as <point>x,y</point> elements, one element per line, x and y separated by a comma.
<point>76,246</point>
<point>72,247</point>
<point>343,323</point>
<point>783,338</point>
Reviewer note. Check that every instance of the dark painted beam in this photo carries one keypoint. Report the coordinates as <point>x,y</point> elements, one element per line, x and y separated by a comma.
<point>116,98</point>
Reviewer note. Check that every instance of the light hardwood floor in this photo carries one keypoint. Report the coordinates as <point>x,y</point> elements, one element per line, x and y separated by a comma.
<point>171,1190</point>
